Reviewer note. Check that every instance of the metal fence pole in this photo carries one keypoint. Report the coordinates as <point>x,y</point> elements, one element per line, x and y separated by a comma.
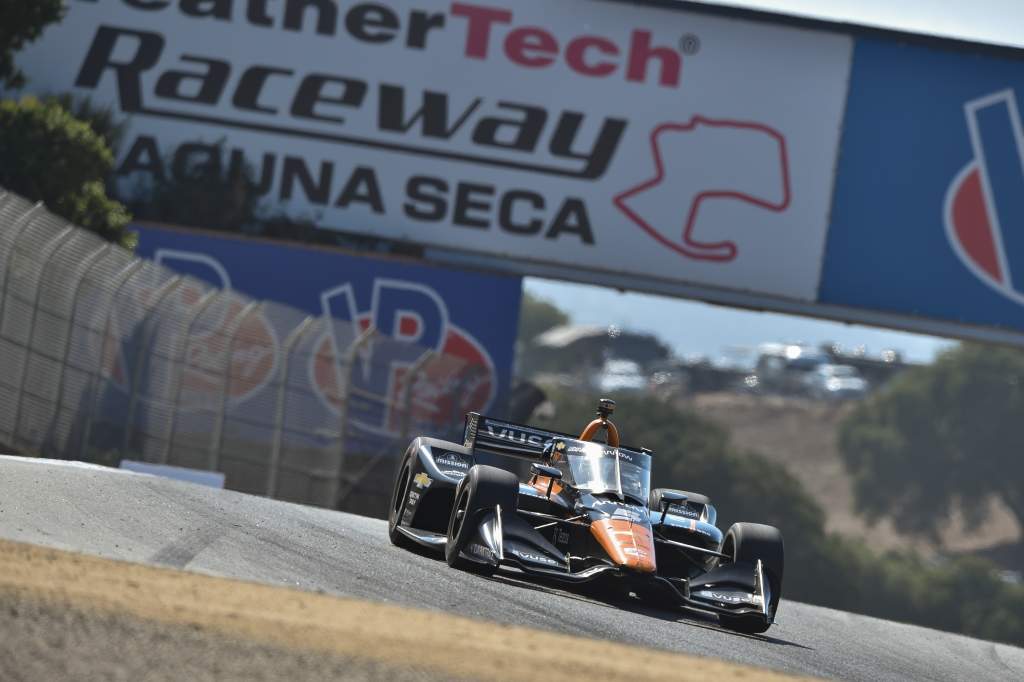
<point>94,381</point>
<point>90,262</point>
<point>275,450</point>
<point>410,379</point>
<point>145,340</point>
<point>21,224</point>
<point>45,261</point>
<point>217,442</point>
<point>178,378</point>
<point>345,366</point>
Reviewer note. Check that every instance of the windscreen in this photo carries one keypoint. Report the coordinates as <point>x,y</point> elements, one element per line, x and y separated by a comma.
<point>598,468</point>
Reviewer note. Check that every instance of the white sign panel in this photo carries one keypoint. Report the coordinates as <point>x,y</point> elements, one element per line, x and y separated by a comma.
<point>596,136</point>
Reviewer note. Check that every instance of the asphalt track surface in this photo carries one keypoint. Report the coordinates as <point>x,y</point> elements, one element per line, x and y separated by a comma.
<point>149,520</point>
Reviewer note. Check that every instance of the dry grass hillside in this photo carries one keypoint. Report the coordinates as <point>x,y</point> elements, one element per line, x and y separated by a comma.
<point>801,436</point>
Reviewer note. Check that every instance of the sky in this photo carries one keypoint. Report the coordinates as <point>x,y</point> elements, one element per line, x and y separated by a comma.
<point>693,328</point>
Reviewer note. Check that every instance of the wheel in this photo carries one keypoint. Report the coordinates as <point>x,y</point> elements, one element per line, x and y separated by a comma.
<point>399,498</point>
<point>483,489</point>
<point>750,542</point>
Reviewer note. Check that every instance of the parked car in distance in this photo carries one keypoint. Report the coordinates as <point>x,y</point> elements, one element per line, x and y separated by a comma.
<point>621,375</point>
<point>835,382</point>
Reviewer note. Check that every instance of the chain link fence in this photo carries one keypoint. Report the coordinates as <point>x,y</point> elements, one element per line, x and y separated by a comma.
<point>105,356</point>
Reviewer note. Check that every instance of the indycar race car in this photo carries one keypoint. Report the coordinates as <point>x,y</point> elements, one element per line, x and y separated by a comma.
<point>585,512</point>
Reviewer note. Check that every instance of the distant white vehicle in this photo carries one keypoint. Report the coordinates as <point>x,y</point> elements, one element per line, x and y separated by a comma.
<point>835,382</point>
<point>621,375</point>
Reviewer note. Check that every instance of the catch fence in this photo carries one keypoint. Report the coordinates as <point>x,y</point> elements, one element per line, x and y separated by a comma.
<point>105,356</point>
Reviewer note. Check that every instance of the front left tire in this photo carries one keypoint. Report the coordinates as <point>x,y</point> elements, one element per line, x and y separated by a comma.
<point>483,489</point>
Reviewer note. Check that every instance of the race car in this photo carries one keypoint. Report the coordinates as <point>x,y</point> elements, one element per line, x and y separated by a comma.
<point>585,512</point>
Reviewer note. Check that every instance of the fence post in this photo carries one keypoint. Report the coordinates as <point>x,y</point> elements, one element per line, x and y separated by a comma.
<point>21,224</point>
<point>345,366</point>
<point>217,442</point>
<point>94,258</point>
<point>275,450</point>
<point>94,388</point>
<point>178,378</point>
<point>44,259</point>
<point>145,340</point>
<point>410,379</point>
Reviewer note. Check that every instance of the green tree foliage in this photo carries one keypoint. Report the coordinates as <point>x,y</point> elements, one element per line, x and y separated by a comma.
<point>536,316</point>
<point>937,435</point>
<point>198,191</point>
<point>103,119</point>
<point>47,155</point>
<point>21,22</point>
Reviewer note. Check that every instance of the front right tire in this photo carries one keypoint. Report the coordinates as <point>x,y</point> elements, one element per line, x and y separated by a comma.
<point>748,542</point>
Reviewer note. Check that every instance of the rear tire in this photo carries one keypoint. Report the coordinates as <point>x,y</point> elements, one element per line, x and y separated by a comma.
<point>399,498</point>
<point>483,489</point>
<point>749,542</point>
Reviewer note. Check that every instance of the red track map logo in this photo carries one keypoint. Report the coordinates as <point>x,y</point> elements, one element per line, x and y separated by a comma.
<point>707,160</point>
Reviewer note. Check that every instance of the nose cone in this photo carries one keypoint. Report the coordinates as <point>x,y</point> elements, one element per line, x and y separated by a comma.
<point>629,544</point>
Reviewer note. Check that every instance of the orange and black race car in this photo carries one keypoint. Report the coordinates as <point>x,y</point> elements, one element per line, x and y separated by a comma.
<point>585,512</point>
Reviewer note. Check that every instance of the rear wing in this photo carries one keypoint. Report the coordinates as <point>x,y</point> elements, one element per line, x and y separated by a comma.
<point>506,438</point>
<point>515,440</point>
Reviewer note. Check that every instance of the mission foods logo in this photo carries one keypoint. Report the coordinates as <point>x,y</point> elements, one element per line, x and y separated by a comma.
<point>984,208</point>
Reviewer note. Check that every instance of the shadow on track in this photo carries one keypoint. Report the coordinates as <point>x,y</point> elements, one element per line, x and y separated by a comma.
<point>598,595</point>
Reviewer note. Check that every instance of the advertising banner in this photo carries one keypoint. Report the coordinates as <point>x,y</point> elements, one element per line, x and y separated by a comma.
<point>470,318</point>
<point>928,219</point>
<point>597,137</point>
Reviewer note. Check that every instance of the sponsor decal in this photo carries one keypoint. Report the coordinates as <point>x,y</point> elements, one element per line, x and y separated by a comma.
<point>422,480</point>
<point>984,206</point>
<point>450,459</point>
<point>480,551</point>
<point>535,558</point>
<point>684,510</point>
<point>514,436</point>
<point>726,597</point>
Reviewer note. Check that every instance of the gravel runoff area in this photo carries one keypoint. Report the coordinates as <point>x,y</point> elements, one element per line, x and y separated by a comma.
<point>70,616</point>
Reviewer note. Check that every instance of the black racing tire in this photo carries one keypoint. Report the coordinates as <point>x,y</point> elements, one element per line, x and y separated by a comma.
<point>483,489</point>
<point>749,542</point>
<point>399,498</point>
<point>696,498</point>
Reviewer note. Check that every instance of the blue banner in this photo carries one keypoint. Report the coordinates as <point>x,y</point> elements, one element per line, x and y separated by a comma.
<point>470,316</point>
<point>928,215</point>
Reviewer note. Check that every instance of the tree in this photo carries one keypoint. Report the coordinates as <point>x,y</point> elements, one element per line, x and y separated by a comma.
<point>20,24</point>
<point>940,435</point>
<point>536,316</point>
<point>47,155</point>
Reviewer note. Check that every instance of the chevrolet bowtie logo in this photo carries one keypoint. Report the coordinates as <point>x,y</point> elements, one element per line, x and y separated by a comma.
<point>422,480</point>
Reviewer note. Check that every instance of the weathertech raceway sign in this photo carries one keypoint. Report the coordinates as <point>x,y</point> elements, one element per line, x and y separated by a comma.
<point>592,136</point>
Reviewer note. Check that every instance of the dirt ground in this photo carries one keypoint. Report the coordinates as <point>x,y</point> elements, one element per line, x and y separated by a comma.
<point>66,616</point>
<point>801,436</point>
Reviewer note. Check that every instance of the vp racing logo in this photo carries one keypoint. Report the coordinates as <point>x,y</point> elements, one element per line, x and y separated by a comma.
<point>371,377</point>
<point>702,163</point>
<point>984,207</point>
